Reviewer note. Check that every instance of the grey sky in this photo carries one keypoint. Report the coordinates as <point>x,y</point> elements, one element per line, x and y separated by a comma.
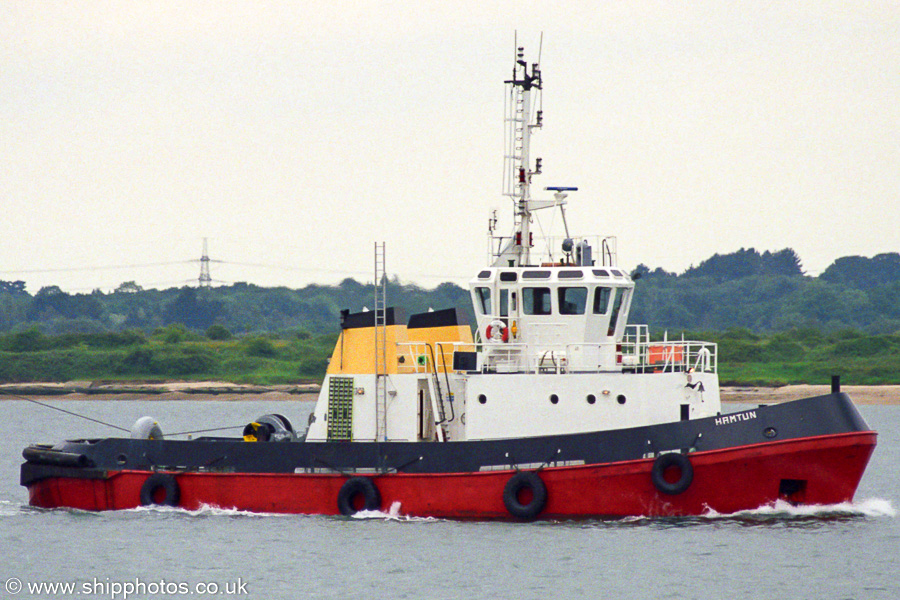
<point>297,134</point>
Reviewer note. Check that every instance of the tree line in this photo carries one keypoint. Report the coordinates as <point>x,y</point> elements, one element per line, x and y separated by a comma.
<point>769,293</point>
<point>761,292</point>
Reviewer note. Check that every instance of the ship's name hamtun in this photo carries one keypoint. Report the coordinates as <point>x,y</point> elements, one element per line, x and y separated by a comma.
<point>735,418</point>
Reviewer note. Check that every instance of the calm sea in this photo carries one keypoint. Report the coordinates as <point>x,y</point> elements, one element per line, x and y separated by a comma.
<point>846,551</point>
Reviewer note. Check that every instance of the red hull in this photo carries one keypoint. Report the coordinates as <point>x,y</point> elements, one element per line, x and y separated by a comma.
<point>726,481</point>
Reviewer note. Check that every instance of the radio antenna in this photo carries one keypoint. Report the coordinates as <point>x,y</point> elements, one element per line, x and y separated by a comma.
<point>541,95</point>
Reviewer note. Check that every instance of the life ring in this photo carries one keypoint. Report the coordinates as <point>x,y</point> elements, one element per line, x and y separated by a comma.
<point>356,486</point>
<point>517,483</point>
<point>496,332</point>
<point>666,461</point>
<point>171,491</point>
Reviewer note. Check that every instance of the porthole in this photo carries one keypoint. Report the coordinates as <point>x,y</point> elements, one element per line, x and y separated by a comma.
<point>554,399</point>
<point>770,432</point>
<point>621,398</point>
<point>482,398</point>
<point>591,398</point>
<point>122,459</point>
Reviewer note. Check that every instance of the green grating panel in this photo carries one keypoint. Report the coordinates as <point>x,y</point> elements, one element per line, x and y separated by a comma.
<point>340,409</point>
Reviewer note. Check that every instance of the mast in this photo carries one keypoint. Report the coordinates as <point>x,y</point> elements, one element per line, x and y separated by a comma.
<point>524,87</point>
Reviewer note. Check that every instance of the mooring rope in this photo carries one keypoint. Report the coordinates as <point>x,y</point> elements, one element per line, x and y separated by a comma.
<point>207,430</point>
<point>68,412</point>
<point>74,414</point>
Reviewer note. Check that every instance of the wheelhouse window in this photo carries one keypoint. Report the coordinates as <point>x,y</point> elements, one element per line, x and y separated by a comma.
<point>617,307</point>
<point>571,274</point>
<point>601,300</point>
<point>536,301</point>
<point>504,302</point>
<point>484,299</point>
<point>572,300</point>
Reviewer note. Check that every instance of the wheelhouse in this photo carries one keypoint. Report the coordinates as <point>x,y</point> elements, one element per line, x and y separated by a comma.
<point>552,314</point>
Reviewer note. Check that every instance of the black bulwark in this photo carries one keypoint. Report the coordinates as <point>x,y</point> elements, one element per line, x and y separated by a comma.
<point>392,316</point>
<point>438,318</point>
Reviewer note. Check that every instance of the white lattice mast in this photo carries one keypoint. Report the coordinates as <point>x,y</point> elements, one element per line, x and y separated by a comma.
<point>205,278</point>
<point>524,88</point>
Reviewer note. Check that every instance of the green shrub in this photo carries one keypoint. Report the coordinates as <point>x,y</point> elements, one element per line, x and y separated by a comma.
<point>313,366</point>
<point>137,361</point>
<point>779,349</point>
<point>107,339</point>
<point>218,332</point>
<point>740,333</point>
<point>175,333</point>
<point>182,361</point>
<point>30,340</point>
<point>739,351</point>
<point>862,346</point>
<point>261,347</point>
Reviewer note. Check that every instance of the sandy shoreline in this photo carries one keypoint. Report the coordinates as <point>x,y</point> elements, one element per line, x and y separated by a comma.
<point>860,394</point>
<point>168,391</point>
<point>171,397</point>
<point>206,390</point>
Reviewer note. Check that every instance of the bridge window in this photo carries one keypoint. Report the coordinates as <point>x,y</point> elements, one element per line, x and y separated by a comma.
<point>572,300</point>
<point>571,274</point>
<point>536,301</point>
<point>601,300</point>
<point>504,303</point>
<point>484,299</point>
<point>617,306</point>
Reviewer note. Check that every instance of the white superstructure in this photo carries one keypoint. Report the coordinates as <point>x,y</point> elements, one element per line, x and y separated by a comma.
<point>552,351</point>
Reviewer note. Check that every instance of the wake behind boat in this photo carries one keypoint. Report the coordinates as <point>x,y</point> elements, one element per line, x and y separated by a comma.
<point>555,408</point>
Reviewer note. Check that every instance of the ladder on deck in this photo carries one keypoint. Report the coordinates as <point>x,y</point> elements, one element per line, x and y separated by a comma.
<point>439,396</point>
<point>380,344</point>
<point>516,121</point>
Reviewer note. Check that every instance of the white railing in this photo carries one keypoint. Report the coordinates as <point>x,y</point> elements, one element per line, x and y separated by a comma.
<point>637,356</point>
<point>635,353</point>
<point>421,357</point>
<point>549,250</point>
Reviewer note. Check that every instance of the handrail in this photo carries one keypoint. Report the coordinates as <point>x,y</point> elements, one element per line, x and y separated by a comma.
<point>517,357</point>
<point>449,389</point>
<point>437,384</point>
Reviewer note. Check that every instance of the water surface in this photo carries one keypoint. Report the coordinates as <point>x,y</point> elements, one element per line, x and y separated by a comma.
<point>843,551</point>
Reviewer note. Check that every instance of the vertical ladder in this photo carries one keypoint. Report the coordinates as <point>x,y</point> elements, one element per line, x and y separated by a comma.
<point>444,431</point>
<point>380,344</point>
<point>515,142</point>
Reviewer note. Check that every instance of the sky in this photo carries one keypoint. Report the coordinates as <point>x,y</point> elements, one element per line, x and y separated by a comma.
<point>294,135</point>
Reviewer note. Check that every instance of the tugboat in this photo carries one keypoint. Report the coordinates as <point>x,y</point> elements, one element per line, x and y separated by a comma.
<point>555,408</point>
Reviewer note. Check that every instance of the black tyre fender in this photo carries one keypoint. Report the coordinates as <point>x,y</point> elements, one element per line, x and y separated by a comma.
<point>156,481</point>
<point>354,487</point>
<point>518,482</point>
<point>666,461</point>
